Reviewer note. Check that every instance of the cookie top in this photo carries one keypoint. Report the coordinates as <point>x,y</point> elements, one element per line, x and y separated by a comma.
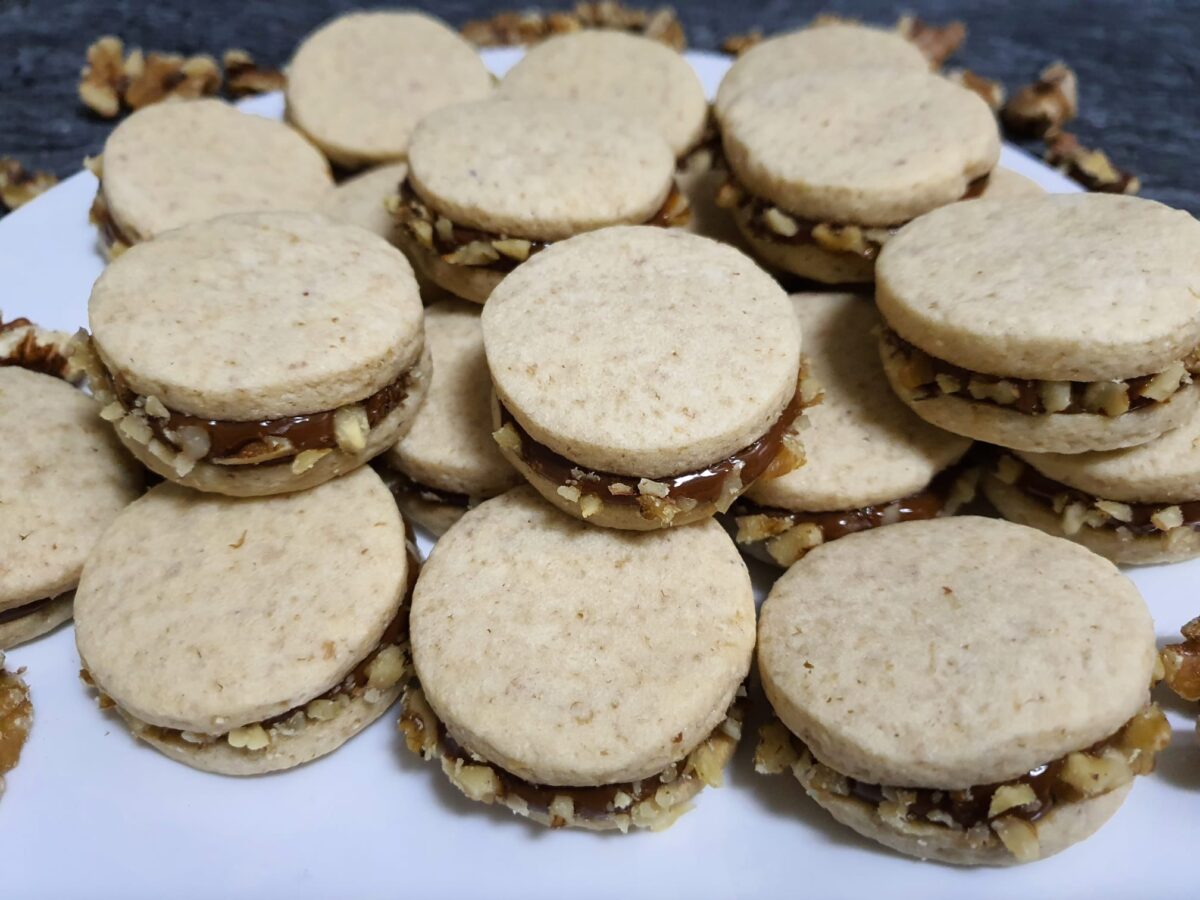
<point>359,85</point>
<point>260,315</point>
<point>1005,183</point>
<point>637,75</point>
<point>642,351</point>
<point>450,445</point>
<point>863,445</point>
<point>954,652</point>
<point>539,168</point>
<point>63,479</point>
<point>831,48</point>
<point>1081,287</point>
<point>867,147</point>
<point>574,655</point>
<point>1165,470</point>
<point>205,613</point>
<point>173,164</point>
<point>360,200</point>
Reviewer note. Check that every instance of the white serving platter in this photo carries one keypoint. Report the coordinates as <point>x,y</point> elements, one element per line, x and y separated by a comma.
<point>91,813</point>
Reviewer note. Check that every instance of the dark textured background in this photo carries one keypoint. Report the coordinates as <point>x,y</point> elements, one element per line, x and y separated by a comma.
<point>1138,61</point>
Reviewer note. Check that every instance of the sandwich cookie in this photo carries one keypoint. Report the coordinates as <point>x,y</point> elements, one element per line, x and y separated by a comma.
<point>644,378</point>
<point>492,184</point>
<point>1056,324</point>
<point>826,166</point>
<point>358,85</point>
<point>258,353</point>
<point>870,461</point>
<point>579,676</point>
<point>838,48</point>
<point>1138,505</point>
<point>361,200</point>
<point>16,719</point>
<point>448,462</point>
<point>965,690</point>
<point>1181,664</point>
<point>1005,183</point>
<point>173,164</point>
<point>247,636</point>
<point>64,477</point>
<point>637,75</point>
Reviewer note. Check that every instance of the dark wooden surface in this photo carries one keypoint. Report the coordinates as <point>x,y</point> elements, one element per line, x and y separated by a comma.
<point>1138,61</point>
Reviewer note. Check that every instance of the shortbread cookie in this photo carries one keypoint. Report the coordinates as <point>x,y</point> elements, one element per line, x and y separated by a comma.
<point>1061,324</point>
<point>448,462</point>
<point>869,460</point>
<point>636,75</point>
<point>244,636</point>
<point>258,353</point>
<point>358,85</point>
<point>362,200</point>
<point>16,719</point>
<point>826,166</point>
<point>173,164</point>
<point>492,184</point>
<point>963,689</point>
<point>63,478</point>
<point>1004,184</point>
<point>579,676</point>
<point>644,378</point>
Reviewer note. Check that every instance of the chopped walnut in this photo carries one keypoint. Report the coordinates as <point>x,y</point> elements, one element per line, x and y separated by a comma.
<point>507,29</point>
<point>937,42</point>
<point>244,77</point>
<point>18,185</point>
<point>794,543</point>
<point>306,459</point>
<point>1046,105</point>
<point>113,79</point>
<point>1019,837</point>
<point>351,427</point>
<point>737,44</point>
<point>992,92</point>
<point>1091,168</point>
<point>249,737</point>
<point>1181,662</point>
<point>16,719</point>
<point>102,79</point>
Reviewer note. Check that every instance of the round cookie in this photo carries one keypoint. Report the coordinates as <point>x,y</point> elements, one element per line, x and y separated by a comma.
<point>246,636</point>
<point>490,184</point>
<point>1137,505</point>
<point>837,48</point>
<point>869,460</point>
<point>1005,184</point>
<point>361,200</point>
<point>1061,323</point>
<point>258,353</point>
<point>358,85</point>
<point>448,461</point>
<point>825,167</point>
<point>636,75</point>
<point>567,664</point>
<point>898,693</point>
<point>644,377</point>
<point>173,164</point>
<point>63,479</point>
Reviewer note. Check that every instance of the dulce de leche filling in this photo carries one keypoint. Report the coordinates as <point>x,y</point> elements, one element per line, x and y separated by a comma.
<point>1010,809</point>
<point>33,350</point>
<point>788,535</point>
<point>776,453</point>
<point>465,246</point>
<point>926,377</point>
<point>1079,509</point>
<point>115,239</point>
<point>768,222</point>
<point>652,802</point>
<point>28,609</point>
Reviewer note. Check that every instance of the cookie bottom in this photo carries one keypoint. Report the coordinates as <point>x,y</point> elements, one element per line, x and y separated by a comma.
<point>474,283</point>
<point>42,620</point>
<point>1016,506</point>
<point>1051,433</point>
<point>809,260</point>
<point>278,478</point>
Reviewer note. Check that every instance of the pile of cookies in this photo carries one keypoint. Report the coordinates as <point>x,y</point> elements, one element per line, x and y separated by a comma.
<point>546,321</point>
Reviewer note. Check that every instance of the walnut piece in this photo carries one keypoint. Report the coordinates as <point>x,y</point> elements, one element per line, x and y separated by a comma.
<point>937,42</point>
<point>16,719</point>
<point>244,77</point>
<point>992,92</point>
<point>1044,106</point>
<point>737,44</point>
<point>1181,663</point>
<point>1090,168</point>
<point>18,185</point>
<point>506,29</point>
<point>249,737</point>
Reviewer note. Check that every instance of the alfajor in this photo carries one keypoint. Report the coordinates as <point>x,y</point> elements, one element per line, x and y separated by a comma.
<point>1059,324</point>
<point>962,689</point>
<point>258,353</point>
<point>643,377</point>
<point>244,636</point>
<point>362,200</point>
<point>579,676</point>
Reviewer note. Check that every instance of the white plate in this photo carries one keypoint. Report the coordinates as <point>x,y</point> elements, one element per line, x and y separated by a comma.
<point>89,812</point>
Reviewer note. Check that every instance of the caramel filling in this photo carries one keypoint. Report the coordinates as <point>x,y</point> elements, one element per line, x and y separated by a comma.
<point>775,453</point>
<point>462,245</point>
<point>926,377</point>
<point>427,736</point>
<point>101,216</point>
<point>1082,775</point>
<point>768,222</point>
<point>1079,508</point>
